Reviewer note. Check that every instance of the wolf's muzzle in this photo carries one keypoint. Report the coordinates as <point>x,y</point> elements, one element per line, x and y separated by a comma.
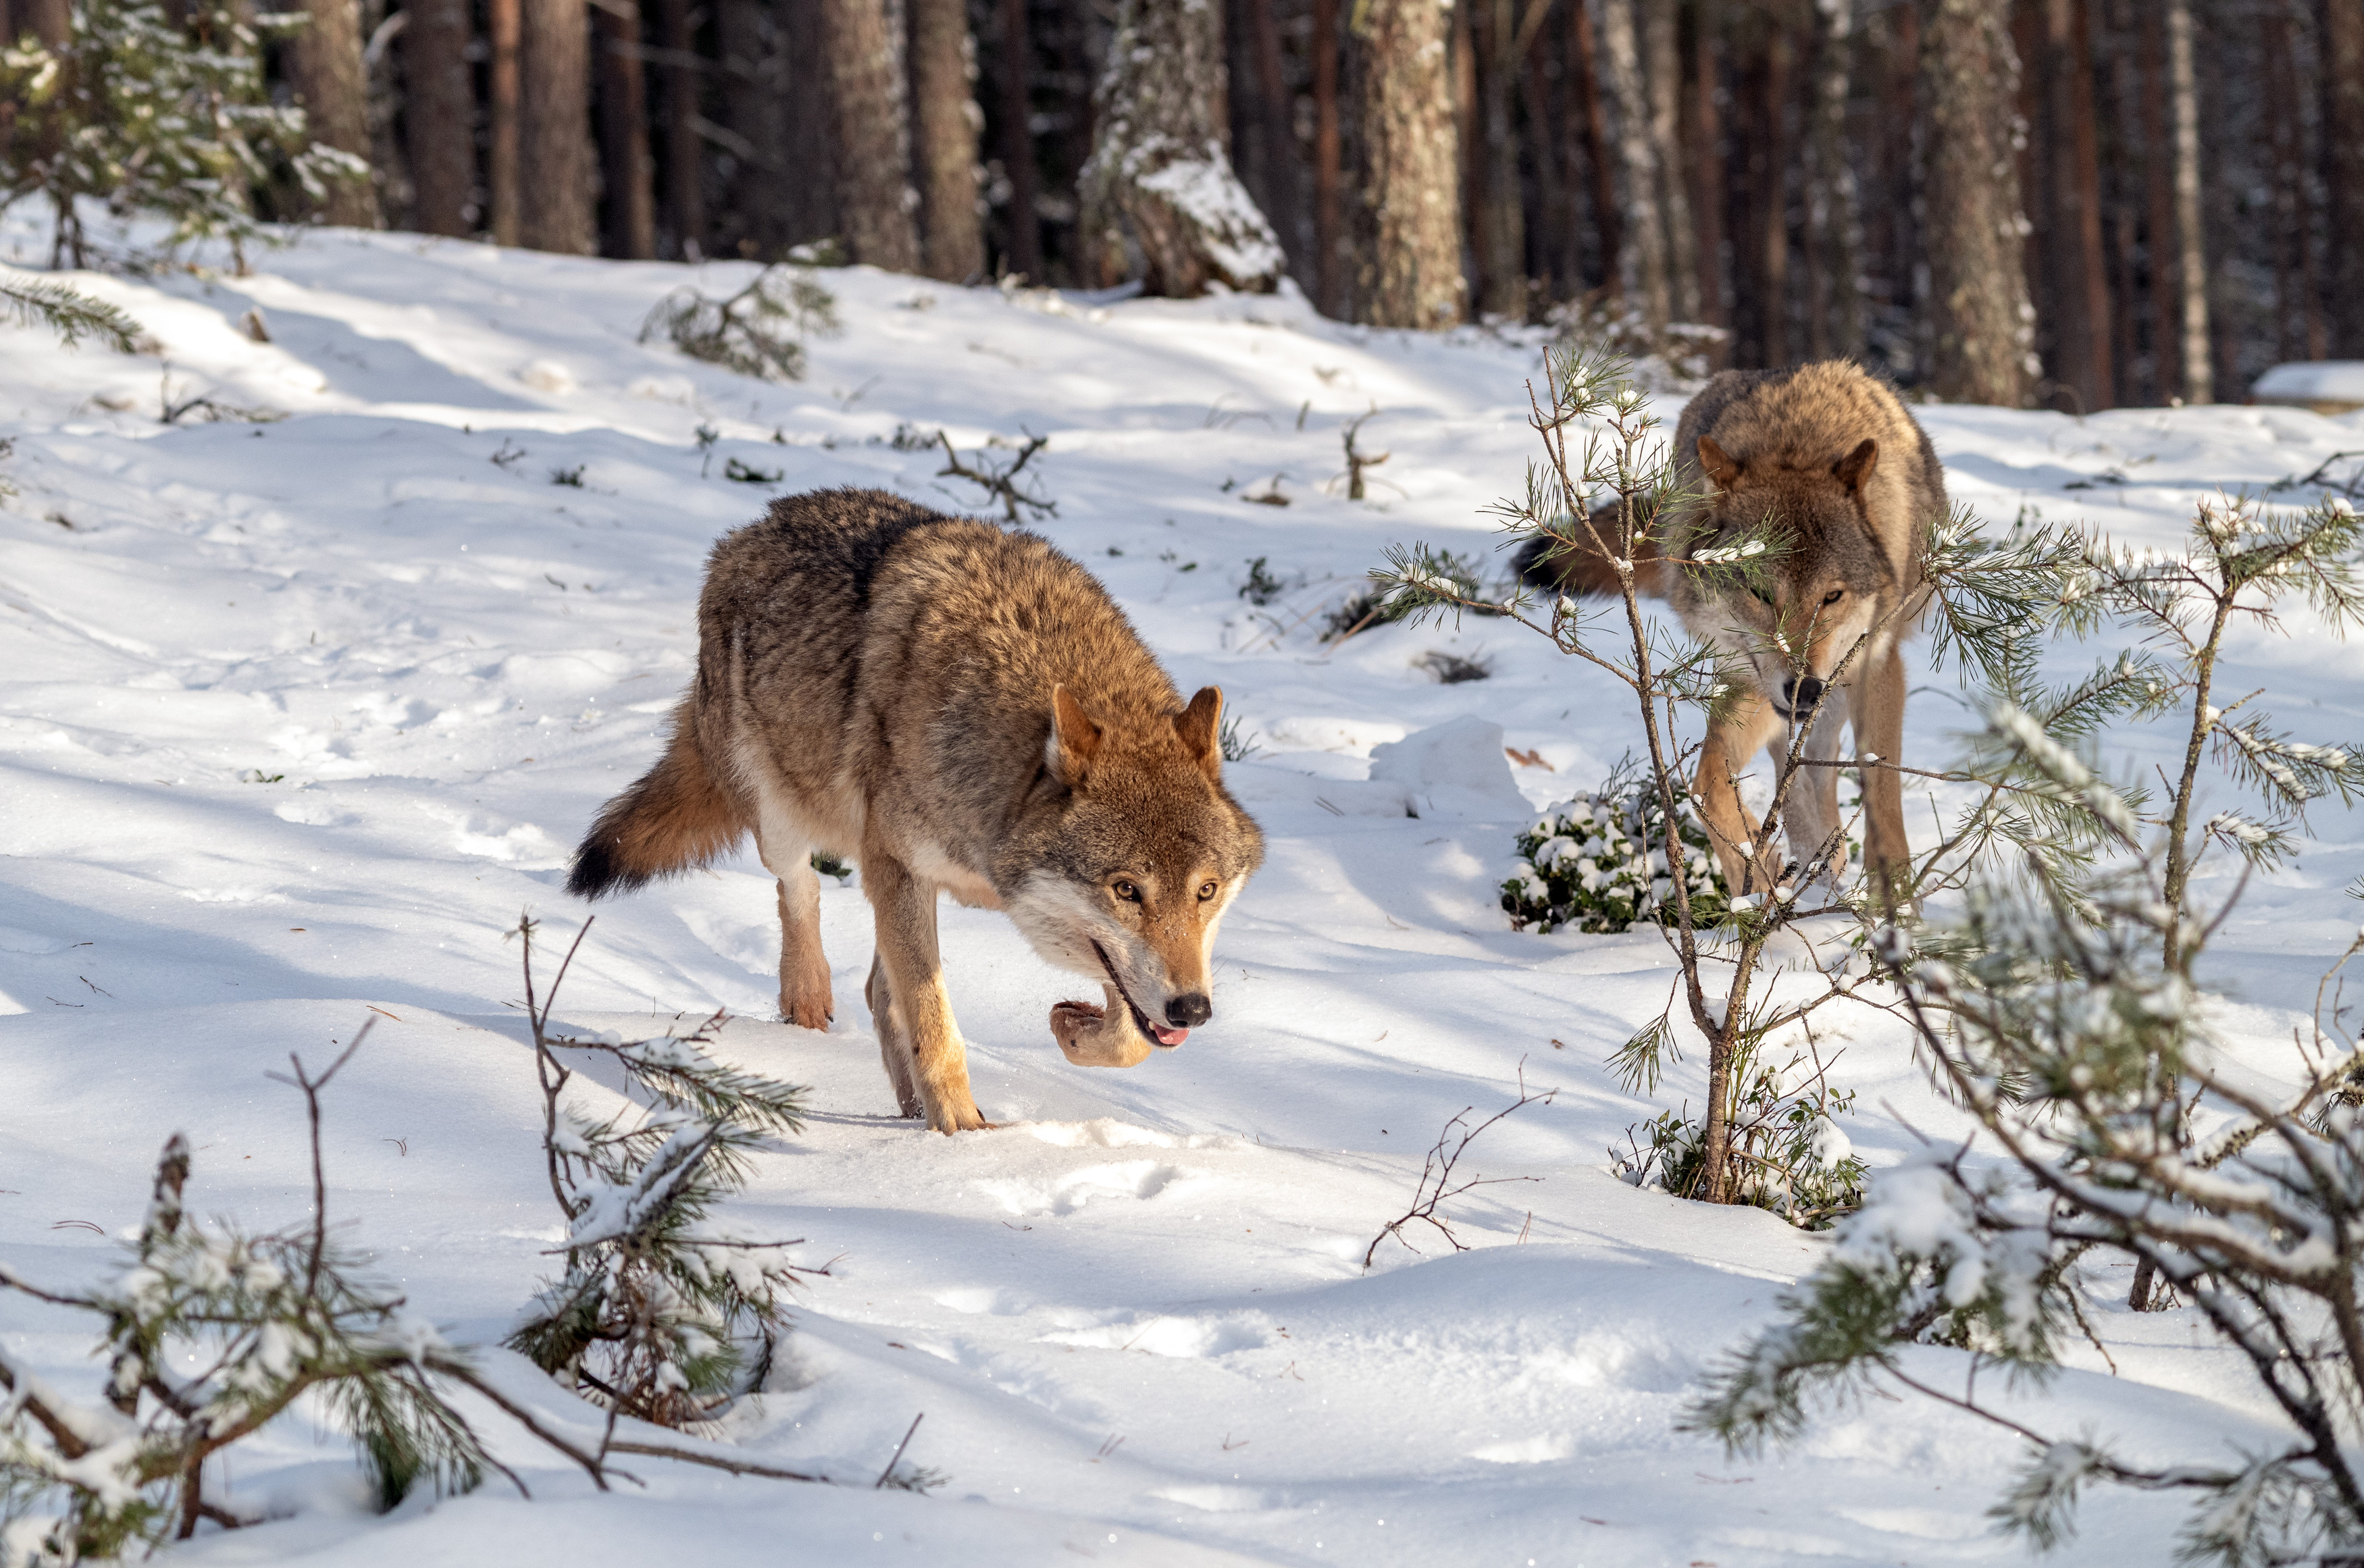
<point>1799,693</point>
<point>1189,1010</point>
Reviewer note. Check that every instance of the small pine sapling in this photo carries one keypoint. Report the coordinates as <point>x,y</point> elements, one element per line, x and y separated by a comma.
<point>660,1303</point>
<point>759,331</point>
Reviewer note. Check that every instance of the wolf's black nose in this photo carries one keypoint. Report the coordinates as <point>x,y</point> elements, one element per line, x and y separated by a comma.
<point>1801,695</point>
<point>1189,1011</point>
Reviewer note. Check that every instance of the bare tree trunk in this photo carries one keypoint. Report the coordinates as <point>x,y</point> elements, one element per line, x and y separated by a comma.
<point>1645,260</point>
<point>1161,170</point>
<point>1663,73</point>
<point>685,153</point>
<point>2341,33</point>
<point>873,141</point>
<point>1413,269</point>
<point>2191,268</point>
<point>1834,214</point>
<point>944,121</point>
<point>556,169</point>
<point>1978,305</point>
<point>1589,120</point>
<point>1025,255</point>
<point>2080,292</point>
<point>1770,198</point>
<point>1331,264</point>
<point>1554,187</point>
<point>2158,220</point>
<point>505,24</point>
<point>631,217</point>
<point>1495,187</point>
<point>1707,174</point>
<point>441,115</point>
<point>324,66</point>
<point>1277,184</point>
<point>2295,317</point>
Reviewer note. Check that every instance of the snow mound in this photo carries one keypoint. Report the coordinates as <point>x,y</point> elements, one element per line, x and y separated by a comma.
<point>1459,770</point>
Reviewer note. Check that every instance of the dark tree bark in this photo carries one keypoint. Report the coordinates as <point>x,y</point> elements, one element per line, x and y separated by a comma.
<point>2159,223</point>
<point>944,127</point>
<point>441,115</point>
<point>630,173</point>
<point>2297,296</point>
<point>1588,121</point>
<point>1706,172</point>
<point>1663,74</point>
<point>1333,267</point>
<point>759,202</point>
<point>1834,216</point>
<point>1161,170</point>
<point>1269,163</point>
<point>1501,226</point>
<point>2079,291</point>
<point>873,140</point>
<point>1550,183</point>
<point>1018,162</point>
<point>685,151</point>
<point>1412,267</point>
<point>324,66</point>
<point>1765,155</point>
<point>1978,305</point>
<point>51,21</point>
<point>2342,35</point>
<point>555,167</point>
<point>2191,266</point>
<point>505,24</point>
<point>1646,276</point>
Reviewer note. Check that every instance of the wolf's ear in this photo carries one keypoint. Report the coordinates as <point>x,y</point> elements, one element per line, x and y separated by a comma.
<point>1855,468</point>
<point>1720,470</point>
<point>1200,726</point>
<point>1074,739</point>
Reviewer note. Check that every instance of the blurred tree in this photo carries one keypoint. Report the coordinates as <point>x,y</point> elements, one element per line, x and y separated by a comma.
<point>944,122</point>
<point>324,66</point>
<point>1412,258</point>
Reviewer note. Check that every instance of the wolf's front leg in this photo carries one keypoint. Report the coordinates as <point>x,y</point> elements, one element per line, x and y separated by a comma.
<point>894,1038</point>
<point>805,995</point>
<point>1880,729</point>
<point>1733,735</point>
<point>905,909</point>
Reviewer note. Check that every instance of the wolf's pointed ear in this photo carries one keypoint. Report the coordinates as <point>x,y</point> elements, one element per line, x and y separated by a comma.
<point>1074,739</point>
<point>1720,470</point>
<point>1200,726</point>
<point>1856,468</point>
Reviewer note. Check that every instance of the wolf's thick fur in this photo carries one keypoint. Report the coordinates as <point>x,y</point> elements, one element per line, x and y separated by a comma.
<point>1826,460</point>
<point>960,708</point>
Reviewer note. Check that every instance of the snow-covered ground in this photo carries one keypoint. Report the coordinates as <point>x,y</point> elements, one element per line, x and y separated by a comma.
<point>296,718</point>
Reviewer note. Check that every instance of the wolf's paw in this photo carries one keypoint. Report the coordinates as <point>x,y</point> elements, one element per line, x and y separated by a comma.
<point>808,1011</point>
<point>949,1118</point>
<point>1098,1037</point>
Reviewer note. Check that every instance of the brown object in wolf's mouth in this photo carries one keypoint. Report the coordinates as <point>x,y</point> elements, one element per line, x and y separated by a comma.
<point>1091,1036</point>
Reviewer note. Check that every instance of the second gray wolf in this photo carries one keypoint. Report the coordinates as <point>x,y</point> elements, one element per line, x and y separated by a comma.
<point>959,708</point>
<point>1825,463</point>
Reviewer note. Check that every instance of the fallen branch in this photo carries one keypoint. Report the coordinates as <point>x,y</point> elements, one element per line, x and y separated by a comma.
<point>1437,1182</point>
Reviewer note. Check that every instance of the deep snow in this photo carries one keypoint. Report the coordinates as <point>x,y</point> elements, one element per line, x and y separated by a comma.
<point>1135,1315</point>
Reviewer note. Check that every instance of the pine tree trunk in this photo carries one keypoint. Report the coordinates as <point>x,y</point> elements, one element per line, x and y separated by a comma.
<point>2080,292</point>
<point>1018,160</point>
<point>1276,184</point>
<point>1590,122</point>
<point>504,24</point>
<point>2191,262</point>
<point>758,206</point>
<point>2342,35</point>
<point>1834,216</point>
<point>1645,260</point>
<point>2297,297</point>
<point>323,65</point>
<point>874,198</point>
<point>1707,174</point>
<point>944,124</point>
<point>1768,196</point>
<point>2158,220</point>
<point>1553,193</point>
<point>555,165</point>
<point>1978,285</point>
<point>1501,237</point>
<point>630,173</point>
<point>1160,170</point>
<point>1663,74</point>
<point>440,114</point>
<point>1412,267</point>
<point>685,153</point>
<point>1332,265</point>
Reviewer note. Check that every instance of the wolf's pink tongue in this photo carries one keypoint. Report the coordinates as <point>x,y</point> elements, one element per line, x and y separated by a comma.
<point>1170,1037</point>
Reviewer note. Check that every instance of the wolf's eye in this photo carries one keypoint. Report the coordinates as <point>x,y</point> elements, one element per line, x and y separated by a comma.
<point>1835,596</point>
<point>1127,892</point>
<point>1206,891</point>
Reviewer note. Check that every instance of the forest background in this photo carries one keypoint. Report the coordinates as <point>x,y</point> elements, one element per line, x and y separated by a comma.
<point>2065,204</point>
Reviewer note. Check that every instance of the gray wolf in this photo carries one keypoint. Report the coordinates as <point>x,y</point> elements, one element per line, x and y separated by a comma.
<point>1823,462</point>
<point>958,709</point>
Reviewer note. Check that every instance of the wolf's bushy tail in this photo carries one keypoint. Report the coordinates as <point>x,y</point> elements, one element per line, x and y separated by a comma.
<point>676,817</point>
<point>1572,566</point>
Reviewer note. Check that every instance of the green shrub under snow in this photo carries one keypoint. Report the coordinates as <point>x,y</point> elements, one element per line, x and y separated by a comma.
<point>1598,862</point>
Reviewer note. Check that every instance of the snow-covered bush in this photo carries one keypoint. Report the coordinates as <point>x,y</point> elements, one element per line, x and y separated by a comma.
<point>1598,862</point>
<point>664,1312</point>
<point>1792,1157</point>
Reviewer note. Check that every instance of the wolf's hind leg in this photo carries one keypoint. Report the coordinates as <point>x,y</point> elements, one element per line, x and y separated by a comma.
<point>905,907</point>
<point>805,996</point>
<point>894,1040</point>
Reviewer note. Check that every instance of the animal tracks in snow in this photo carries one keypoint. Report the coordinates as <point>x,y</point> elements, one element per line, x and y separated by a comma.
<point>1071,1190</point>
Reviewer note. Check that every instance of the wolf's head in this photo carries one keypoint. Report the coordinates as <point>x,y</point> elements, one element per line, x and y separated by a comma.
<point>1130,852</point>
<point>1831,581</point>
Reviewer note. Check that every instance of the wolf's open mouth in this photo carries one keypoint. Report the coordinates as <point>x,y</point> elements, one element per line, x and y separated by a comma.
<point>1164,1037</point>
